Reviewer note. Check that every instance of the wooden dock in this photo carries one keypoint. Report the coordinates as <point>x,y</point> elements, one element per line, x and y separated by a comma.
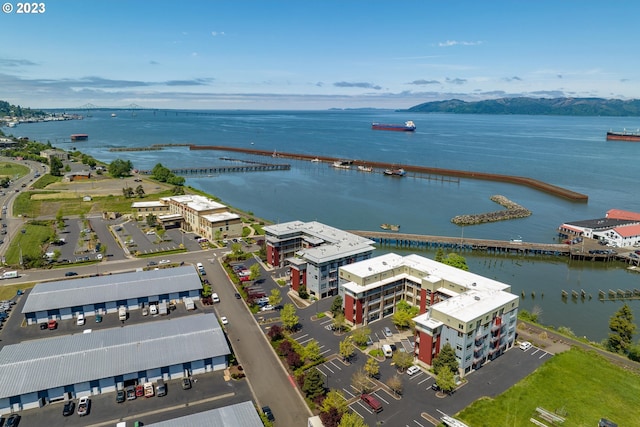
<point>216,170</point>
<point>418,241</point>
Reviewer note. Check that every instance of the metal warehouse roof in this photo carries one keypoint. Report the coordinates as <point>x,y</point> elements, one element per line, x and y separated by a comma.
<point>92,290</point>
<point>55,362</point>
<point>241,414</point>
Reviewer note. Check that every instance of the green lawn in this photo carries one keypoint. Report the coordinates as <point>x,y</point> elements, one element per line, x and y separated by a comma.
<point>579,385</point>
<point>13,170</point>
<point>29,243</point>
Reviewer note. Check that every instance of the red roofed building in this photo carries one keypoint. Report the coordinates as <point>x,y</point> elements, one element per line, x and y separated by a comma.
<point>620,214</point>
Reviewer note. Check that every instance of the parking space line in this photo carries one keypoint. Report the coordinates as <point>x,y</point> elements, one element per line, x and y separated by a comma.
<point>330,370</point>
<point>378,396</point>
<point>335,366</point>
<point>305,341</point>
<point>301,336</point>
<point>543,355</point>
<point>326,321</point>
<point>349,393</point>
<point>359,402</point>
<point>418,423</point>
<point>326,351</point>
<point>426,379</point>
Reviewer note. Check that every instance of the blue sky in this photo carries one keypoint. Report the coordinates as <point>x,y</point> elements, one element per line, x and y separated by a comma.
<point>309,54</point>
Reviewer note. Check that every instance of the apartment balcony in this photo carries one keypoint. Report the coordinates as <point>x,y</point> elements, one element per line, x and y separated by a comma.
<point>479,340</point>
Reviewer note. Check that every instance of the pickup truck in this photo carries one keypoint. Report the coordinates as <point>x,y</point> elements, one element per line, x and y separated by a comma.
<point>148,390</point>
<point>83,406</point>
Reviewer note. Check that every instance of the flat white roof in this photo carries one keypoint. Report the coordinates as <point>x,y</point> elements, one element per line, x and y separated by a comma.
<point>221,216</point>
<point>150,204</point>
<point>196,202</point>
<point>91,290</point>
<point>473,304</point>
<point>47,363</point>
<point>337,243</point>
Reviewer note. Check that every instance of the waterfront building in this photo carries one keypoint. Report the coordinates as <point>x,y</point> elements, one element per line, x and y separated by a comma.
<point>49,154</point>
<point>474,314</point>
<point>618,228</point>
<point>313,252</point>
<point>210,219</point>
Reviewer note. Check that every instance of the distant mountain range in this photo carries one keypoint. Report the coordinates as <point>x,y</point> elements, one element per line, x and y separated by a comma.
<point>535,106</point>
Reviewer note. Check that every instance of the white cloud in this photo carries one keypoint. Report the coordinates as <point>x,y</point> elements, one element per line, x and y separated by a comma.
<point>217,33</point>
<point>456,42</point>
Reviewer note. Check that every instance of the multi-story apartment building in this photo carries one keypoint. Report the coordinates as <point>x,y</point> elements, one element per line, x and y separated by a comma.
<point>210,219</point>
<point>313,252</point>
<point>475,315</point>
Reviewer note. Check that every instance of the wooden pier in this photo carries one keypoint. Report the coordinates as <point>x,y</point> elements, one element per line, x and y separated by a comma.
<point>216,170</point>
<point>418,241</point>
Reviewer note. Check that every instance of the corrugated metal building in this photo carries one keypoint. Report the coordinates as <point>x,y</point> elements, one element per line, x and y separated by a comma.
<point>65,299</point>
<point>241,414</point>
<point>44,370</point>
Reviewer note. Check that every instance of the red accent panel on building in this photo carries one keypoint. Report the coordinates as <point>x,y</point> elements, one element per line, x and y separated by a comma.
<point>358,312</point>
<point>425,345</point>
<point>423,301</point>
<point>295,279</point>
<point>349,302</point>
<point>273,256</point>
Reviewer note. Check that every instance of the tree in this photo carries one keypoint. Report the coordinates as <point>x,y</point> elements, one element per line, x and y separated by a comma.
<point>360,381</point>
<point>395,384</point>
<point>275,298</point>
<point>152,220</point>
<point>330,418</point>
<point>289,318</point>
<point>346,348</point>
<point>275,333</point>
<point>140,191</point>
<point>445,359</point>
<point>56,166</point>
<point>372,367</point>
<point>335,399</point>
<point>312,351</point>
<point>336,306</point>
<point>313,384</point>
<point>403,319</point>
<point>457,261</point>
<point>360,336</point>
<point>120,168</point>
<point>127,192</point>
<point>254,271</point>
<point>402,360</point>
<point>351,419</point>
<point>302,292</point>
<point>339,322</point>
<point>622,329</point>
<point>439,255</point>
<point>446,381</point>
<point>160,172</point>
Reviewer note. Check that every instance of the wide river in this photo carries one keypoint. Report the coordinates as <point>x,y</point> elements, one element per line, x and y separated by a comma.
<point>569,152</point>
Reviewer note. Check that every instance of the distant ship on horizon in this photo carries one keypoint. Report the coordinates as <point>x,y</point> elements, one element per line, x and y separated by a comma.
<point>408,126</point>
<point>625,135</point>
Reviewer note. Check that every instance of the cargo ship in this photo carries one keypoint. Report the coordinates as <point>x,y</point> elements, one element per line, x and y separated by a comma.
<point>408,126</point>
<point>79,137</point>
<point>625,135</point>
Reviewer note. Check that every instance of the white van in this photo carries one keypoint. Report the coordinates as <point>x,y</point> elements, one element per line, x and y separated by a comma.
<point>386,349</point>
<point>153,309</point>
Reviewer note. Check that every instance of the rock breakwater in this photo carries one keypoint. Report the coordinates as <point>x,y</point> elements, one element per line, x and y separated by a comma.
<point>513,211</point>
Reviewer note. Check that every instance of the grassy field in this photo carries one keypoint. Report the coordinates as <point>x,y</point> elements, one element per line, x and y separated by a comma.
<point>578,385</point>
<point>30,243</point>
<point>13,169</point>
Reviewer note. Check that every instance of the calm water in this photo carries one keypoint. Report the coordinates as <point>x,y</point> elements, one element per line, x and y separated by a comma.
<point>566,151</point>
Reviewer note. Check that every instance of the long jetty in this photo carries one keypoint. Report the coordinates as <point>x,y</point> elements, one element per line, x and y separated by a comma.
<point>512,179</point>
<point>419,241</point>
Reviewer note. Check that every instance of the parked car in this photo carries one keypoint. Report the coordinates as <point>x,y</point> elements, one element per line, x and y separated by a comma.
<point>121,396</point>
<point>186,383</point>
<point>131,393</point>
<point>13,420</point>
<point>224,320</point>
<point>164,261</point>
<point>151,263</point>
<point>412,370</point>
<point>372,402</point>
<point>139,390</point>
<point>52,324</point>
<point>98,318</point>
<point>161,388</point>
<point>84,405</point>
<point>80,319</point>
<point>387,331</point>
<point>525,345</point>
<point>43,326</point>
<point>70,273</point>
<point>267,413</point>
<point>238,296</point>
<point>69,408</point>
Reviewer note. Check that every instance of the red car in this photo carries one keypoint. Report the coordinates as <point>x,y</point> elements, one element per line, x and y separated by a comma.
<point>139,390</point>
